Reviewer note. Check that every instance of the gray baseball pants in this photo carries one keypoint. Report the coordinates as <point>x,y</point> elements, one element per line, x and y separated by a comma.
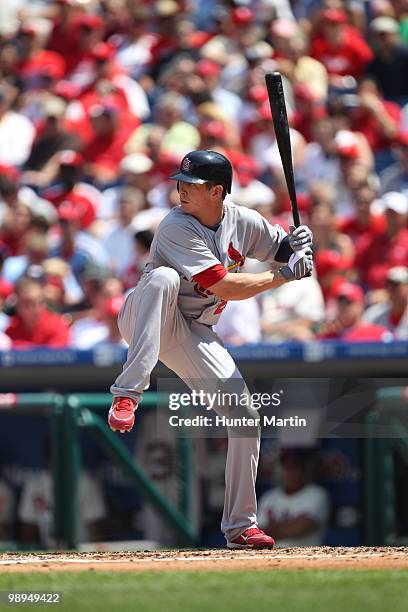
<point>155,328</point>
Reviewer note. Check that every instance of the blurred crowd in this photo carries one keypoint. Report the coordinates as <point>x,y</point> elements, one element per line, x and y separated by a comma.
<point>99,101</point>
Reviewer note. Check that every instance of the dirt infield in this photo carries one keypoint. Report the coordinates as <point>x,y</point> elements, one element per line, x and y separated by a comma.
<point>214,560</point>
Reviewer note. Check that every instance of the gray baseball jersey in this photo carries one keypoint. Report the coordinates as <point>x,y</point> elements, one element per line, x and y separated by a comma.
<point>189,247</point>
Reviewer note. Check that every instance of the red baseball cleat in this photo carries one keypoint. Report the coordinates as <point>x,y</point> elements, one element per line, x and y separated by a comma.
<point>121,415</point>
<point>252,538</point>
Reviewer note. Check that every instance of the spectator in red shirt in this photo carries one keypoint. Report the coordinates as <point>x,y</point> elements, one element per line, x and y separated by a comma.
<point>35,61</point>
<point>364,222</point>
<point>377,119</point>
<point>33,324</point>
<point>105,151</point>
<point>349,325</point>
<point>378,253</point>
<point>340,47</point>
<point>66,175</point>
<point>332,269</point>
<point>87,32</point>
<point>62,37</point>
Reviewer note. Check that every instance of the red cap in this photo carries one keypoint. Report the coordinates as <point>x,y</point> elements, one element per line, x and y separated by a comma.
<point>77,208</point>
<point>242,15</point>
<point>264,111</point>
<point>103,51</point>
<point>89,20</point>
<point>28,30</point>
<point>331,261</point>
<point>66,89</point>
<point>49,65</point>
<point>334,15</point>
<point>246,169</point>
<point>303,92</point>
<point>348,151</point>
<point>258,94</point>
<point>206,67</point>
<point>351,292</point>
<point>55,281</point>
<point>403,139</point>
<point>9,171</point>
<point>6,288</point>
<point>215,129</point>
<point>113,305</point>
<point>70,158</point>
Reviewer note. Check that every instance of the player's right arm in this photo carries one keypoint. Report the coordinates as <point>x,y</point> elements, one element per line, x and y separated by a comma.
<point>243,285</point>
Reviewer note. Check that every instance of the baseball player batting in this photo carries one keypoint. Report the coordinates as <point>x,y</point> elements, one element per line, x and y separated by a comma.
<point>194,268</point>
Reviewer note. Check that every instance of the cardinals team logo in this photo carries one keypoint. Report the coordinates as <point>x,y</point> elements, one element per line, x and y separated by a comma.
<point>236,257</point>
<point>186,165</point>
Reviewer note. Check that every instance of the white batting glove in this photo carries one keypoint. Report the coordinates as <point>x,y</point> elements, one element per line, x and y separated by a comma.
<point>300,264</point>
<point>300,237</point>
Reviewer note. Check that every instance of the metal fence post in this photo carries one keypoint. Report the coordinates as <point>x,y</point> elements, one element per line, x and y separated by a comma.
<point>57,460</point>
<point>71,467</point>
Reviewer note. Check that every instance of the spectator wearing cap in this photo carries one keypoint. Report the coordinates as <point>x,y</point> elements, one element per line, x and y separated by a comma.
<point>74,244</point>
<point>16,131</point>
<point>332,270</point>
<point>62,38</point>
<point>56,285</point>
<point>264,147</point>
<point>340,48</point>
<point>106,148</point>
<point>67,179</point>
<point>389,67</point>
<point>213,135</point>
<point>210,72</point>
<point>395,177</point>
<point>33,324</point>
<point>377,254</point>
<point>393,312</point>
<point>306,112</point>
<point>35,62</point>
<point>349,324</point>
<point>247,189</point>
<point>354,170</point>
<point>118,242</point>
<point>296,510</point>
<point>87,31</point>
<point>101,76</point>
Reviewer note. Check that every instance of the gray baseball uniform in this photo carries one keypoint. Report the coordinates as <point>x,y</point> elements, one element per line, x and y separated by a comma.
<point>169,316</point>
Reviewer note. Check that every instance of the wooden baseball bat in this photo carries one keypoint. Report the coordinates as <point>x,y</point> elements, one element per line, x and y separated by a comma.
<point>281,124</point>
